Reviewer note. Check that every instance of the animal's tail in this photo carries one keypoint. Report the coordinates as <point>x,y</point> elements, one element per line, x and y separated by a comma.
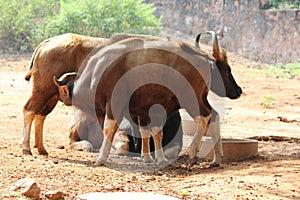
<point>31,71</point>
<point>29,74</point>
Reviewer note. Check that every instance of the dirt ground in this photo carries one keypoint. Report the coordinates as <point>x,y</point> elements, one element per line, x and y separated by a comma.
<point>273,174</point>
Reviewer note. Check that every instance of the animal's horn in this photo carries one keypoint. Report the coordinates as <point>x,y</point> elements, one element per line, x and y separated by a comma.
<point>197,41</point>
<point>56,81</point>
<point>216,50</point>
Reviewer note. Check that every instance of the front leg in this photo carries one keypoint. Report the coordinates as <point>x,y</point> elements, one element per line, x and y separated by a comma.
<point>216,139</point>
<point>202,127</point>
<point>109,130</point>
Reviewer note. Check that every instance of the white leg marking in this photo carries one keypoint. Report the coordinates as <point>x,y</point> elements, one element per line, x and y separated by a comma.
<point>28,117</point>
<point>202,127</point>
<point>110,128</point>
<point>38,128</point>
<point>172,152</point>
<point>157,135</point>
<point>147,158</point>
<point>216,139</point>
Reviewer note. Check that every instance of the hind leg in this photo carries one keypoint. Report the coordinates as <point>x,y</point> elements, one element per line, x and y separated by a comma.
<point>28,117</point>
<point>147,158</point>
<point>157,135</point>
<point>39,125</point>
<point>36,108</point>
<point>38,131</point>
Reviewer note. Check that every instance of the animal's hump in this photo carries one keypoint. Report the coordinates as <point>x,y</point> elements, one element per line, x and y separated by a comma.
<point>192,50</point>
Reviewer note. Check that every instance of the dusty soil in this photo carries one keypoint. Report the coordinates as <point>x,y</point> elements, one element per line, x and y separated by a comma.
<point>273,174</point>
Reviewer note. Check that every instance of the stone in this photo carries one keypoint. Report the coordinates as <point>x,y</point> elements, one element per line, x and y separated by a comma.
<point>27,187</point>
<point>55,195</point>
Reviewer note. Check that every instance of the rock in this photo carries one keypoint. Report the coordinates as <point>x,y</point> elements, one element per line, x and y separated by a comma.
<point>55,195</point>
<point>123,196</point>
<point>27,187</point>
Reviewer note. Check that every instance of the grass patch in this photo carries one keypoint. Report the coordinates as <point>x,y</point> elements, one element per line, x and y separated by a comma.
<point>290,70</point>
<point>268,100</point>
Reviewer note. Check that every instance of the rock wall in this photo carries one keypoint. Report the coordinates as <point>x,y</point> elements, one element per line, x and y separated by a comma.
<point>247,27</point>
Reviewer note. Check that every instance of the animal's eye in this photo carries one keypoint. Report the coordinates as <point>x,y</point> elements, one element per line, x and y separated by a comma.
<point>228,70</point>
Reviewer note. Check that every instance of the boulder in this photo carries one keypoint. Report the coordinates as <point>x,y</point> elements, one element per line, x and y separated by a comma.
<point>27,187</point>
<point>54,195</point>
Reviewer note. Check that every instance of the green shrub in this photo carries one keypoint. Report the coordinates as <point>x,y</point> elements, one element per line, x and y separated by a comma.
<point>285,4</point>
<point>101,18</point>
<point>19,22</point>
<point>25,23</point>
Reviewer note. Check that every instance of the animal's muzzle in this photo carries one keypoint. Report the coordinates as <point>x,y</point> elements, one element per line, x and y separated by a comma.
<point>239,92</point>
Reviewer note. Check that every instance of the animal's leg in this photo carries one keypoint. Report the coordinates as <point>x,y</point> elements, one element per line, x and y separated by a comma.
<point>172,136</point>
<point>216,139</point>
<point>82,145</point>
<point>38,130</point>
<point>202,127</point>
<point>37,104</point>
<point>110,128</point>
<point>28,117</point>
<point>147,158</point>
<point>39,124</point>
<point>157,135</point>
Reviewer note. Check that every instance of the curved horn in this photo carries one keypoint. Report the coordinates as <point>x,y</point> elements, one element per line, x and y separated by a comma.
<point>65,78</point>
<point>216,51</point>
<point>56,81</point>
<point>197,41</point>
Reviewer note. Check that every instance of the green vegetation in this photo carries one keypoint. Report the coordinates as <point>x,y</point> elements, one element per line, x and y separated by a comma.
<point>285,4</point>
<point>267,101</point>
<point>290,70</point>
<point>25,23</point>
<point>184,193</point>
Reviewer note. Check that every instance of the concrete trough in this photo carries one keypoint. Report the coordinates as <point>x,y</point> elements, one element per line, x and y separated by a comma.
<point>234,149</point>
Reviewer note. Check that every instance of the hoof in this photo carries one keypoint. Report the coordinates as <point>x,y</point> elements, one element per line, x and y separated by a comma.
<point>214,165</point>
<point>193,161</point>
<point>42,151</point>
<point>26,152</point>
<point>164,163</point>
<point>148,160</point>
<point>99,163</point>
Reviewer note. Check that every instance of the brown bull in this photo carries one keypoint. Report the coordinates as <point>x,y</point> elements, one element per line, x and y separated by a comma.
<point>117,60</point>
<point>54,57</point>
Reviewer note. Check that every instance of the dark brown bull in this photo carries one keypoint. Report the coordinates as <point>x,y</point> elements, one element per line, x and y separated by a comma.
<point>193,64</point>
<point>54,57</point>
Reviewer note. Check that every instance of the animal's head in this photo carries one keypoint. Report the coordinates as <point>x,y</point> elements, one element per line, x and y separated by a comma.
<point>65,85</point>
<point>232,90</point>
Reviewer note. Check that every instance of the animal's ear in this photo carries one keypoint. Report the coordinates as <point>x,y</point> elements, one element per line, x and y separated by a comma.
<point>64,91</point>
